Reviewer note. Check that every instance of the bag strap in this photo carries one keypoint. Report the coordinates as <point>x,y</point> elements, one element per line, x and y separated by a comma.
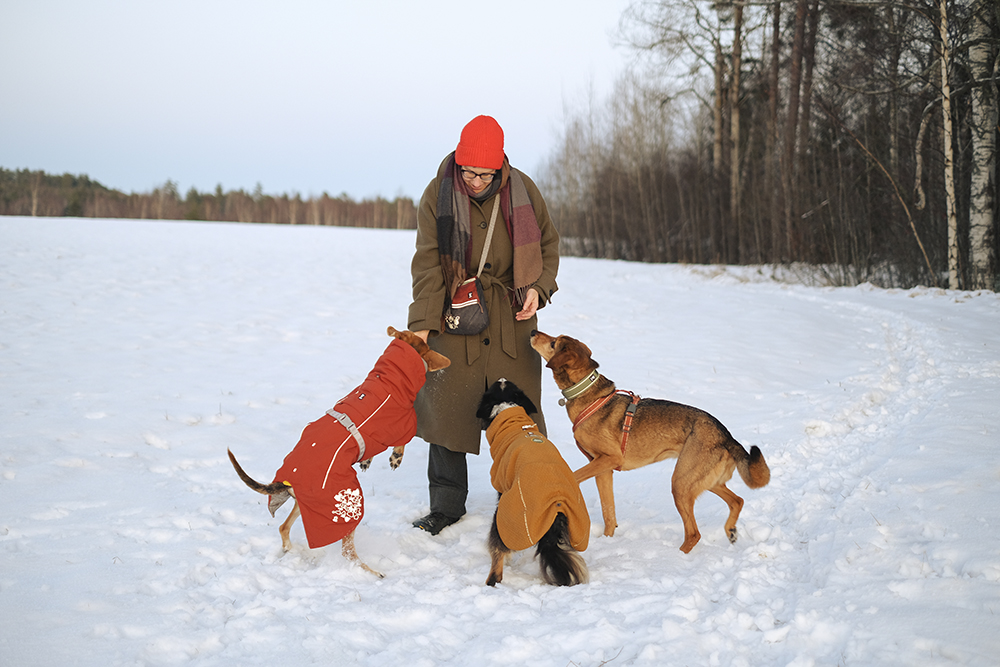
<point>489,234</point>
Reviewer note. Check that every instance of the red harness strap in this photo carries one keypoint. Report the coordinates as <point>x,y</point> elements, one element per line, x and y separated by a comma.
<point>626,426</point>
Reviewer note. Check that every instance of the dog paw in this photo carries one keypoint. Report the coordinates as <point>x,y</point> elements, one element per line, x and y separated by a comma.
<point>395,459</point>
<point>731,534</point>
<point>364,464</point>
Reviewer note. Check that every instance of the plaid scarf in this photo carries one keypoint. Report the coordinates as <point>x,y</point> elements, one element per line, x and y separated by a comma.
<point>454,230</point>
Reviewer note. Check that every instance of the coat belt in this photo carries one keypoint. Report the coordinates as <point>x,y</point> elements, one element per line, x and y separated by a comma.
<point>508,342</point>
<point>352,429</point>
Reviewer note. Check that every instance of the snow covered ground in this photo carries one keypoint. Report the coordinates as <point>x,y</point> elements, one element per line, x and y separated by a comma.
<point>133,353</point>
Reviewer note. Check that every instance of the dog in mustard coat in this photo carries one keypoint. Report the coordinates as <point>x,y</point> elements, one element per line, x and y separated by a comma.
<point>540,500</point>
<point>319,472</point>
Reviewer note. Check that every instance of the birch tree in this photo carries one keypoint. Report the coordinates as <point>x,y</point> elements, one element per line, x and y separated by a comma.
<point>949,153</point>
<point>984,62</point>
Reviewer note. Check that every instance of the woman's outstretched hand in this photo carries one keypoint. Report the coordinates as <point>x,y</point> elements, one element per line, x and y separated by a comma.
<point>530,305</point>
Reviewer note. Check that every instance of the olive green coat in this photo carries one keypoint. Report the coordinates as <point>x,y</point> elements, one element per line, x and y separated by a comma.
<point>446,406</point>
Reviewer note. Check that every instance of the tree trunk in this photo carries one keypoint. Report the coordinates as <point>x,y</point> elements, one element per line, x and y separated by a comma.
<point>717,213</point>
<point>720,69</point>
<point>791,125</point>
<point>949,158</point>
<point>982,203</point>
<point>809,58</point>
<point>35,186</point>
<point>893,73</point>
<point>775,205</point>
<point>734,113</point>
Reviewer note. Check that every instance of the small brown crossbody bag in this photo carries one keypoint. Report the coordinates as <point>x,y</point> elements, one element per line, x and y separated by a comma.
<point>467,314</point>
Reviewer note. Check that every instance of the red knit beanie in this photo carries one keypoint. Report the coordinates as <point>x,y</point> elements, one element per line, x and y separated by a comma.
<point>481,144</point>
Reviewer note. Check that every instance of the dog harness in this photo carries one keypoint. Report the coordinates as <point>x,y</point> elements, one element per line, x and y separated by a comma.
<point>626,425</point>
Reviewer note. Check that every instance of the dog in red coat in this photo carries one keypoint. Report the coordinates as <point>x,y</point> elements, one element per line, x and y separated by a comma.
<point>319,472</point>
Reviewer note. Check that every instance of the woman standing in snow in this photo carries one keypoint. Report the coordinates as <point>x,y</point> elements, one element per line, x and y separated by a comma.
<point>518,277</point>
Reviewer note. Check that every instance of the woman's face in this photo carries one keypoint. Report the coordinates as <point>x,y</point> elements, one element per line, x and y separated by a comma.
<point>477,179</point>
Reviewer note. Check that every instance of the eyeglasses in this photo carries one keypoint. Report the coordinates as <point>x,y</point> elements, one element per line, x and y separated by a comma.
<point>471,176</point>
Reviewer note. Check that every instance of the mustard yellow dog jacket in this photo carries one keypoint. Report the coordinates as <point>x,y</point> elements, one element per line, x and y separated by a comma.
<point>535,484</point>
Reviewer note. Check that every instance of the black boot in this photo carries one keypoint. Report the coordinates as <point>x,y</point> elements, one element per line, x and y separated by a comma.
<point>434,522</point>
<point>448,486</point>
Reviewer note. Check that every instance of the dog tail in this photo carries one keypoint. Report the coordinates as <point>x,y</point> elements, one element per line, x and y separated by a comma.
<point>277,491</point>
<point>752,467</point>
<point>561,564</point>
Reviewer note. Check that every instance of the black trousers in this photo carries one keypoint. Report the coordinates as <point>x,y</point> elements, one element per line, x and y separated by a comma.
<point>448,481</point>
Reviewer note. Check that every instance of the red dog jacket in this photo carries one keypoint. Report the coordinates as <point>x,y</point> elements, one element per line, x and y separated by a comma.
<point>321,467</point>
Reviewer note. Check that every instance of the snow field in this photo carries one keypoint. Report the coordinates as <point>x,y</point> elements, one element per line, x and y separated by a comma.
<point>134,353</point>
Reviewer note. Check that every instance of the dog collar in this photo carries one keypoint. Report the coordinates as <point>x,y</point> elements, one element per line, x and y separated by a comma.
<point>580,387</point>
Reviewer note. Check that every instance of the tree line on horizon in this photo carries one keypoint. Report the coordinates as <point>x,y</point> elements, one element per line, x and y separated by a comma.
<point>35,193</point>
<point>859,136</point>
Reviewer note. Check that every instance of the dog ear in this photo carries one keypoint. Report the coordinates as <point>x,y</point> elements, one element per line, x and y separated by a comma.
<point>572,354</point>
<point>411,339</point>
<point>579,347</point>
<point>484,409</point>
<point>435,360</point>
<point>564,356</point>
<point>484,413</point>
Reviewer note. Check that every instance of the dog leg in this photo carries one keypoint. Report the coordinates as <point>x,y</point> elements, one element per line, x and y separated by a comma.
<point>684,497</point>
<point>396,457</point>
<point>498,554</point>
<point>347,548</point>
<point>605,489</point>
<point>735,505</point>
<point>596,468</point>
<point>394,460</point>
<point>497,559</point>
<point>602,468</point>
<point>286,527</point>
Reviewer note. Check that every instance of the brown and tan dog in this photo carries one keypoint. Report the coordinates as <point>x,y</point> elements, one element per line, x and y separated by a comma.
<point>318,473</point>
<point>617,430</point>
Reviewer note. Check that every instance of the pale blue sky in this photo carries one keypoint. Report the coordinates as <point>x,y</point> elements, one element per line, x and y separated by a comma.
<point>363,97</point>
